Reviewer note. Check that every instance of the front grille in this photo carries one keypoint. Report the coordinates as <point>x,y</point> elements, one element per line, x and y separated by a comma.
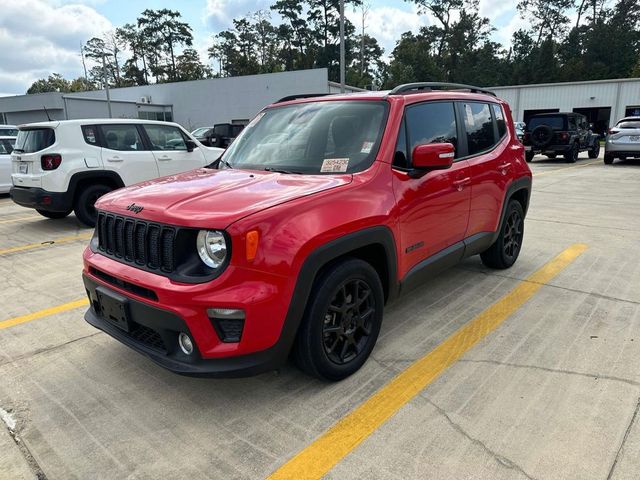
<point>136,241</point>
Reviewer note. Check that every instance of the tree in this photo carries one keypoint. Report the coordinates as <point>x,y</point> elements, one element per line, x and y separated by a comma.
<point>56,83</point>
<point>548,18</point>
<point>189,66</point>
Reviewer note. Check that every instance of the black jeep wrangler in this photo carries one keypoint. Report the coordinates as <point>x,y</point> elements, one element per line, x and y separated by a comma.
<point>565,134</point>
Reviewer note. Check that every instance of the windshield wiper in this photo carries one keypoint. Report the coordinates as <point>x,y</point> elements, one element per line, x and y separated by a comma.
<point>216,163</point>
<point>279,170</point>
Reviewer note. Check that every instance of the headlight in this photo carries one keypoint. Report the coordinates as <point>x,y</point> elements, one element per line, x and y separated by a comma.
<point>212,247</point>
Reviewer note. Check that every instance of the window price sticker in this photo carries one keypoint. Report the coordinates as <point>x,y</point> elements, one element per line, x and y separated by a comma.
<point>334,165</point>
<point>366,147</point>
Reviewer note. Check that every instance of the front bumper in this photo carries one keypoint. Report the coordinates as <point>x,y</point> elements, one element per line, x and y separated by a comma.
<point>33,197</point>
<point>154,331</point>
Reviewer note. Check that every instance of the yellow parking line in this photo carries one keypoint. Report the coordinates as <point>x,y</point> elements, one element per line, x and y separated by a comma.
<point>324,453</point>
<point>31,217</point>
<point>43,313</point>
<point>56,241</point>
<point>566,168</point>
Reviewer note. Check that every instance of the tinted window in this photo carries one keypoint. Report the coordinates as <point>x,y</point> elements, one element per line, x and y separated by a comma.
<point>479,127</point>
<point>34,139</point>
<point>8,132</point>
<point>165,137</point>
<point>502,124</point>
<point>90,134</point>
<point>6,146</point>
<point>400,156</point>
<point>121,137</point>
<point>431,123</point>
<point>572,123</point>
<point>628,125</point>
<point>557,123</point>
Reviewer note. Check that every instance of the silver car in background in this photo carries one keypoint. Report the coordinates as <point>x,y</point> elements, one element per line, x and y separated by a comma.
<point>623,140</point>
<point>6,147</point>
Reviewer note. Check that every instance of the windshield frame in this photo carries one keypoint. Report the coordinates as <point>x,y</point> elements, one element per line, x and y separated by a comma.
<point>361,166</point>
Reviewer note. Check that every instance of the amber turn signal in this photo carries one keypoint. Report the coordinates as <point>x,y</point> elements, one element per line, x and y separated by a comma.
<point>252,245</point>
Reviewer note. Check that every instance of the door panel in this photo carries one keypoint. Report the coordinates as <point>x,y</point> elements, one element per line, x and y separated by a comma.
<point>491,172</point>
<point>433,210</point>
<point>5,171</point>
<point>170,150</point>
<point>123,152</point>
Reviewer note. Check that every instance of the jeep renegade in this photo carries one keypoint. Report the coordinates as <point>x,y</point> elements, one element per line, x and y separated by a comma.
<point>324,210</point>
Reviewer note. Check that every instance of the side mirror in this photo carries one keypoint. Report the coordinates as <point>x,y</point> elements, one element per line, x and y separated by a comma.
<point>190,145</point>
<point>431,156</point>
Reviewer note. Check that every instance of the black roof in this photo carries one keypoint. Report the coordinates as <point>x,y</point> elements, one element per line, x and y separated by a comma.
<point>555,114</point>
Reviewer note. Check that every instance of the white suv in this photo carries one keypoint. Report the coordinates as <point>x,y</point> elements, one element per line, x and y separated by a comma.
<point>64,166</point>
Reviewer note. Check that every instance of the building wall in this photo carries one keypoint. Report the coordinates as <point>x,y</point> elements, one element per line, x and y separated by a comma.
<point>89,108</point>
<point>219,100</point>
<point>616,94</point>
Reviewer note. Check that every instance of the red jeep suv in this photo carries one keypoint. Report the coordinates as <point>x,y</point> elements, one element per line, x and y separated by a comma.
<point>321,212</point>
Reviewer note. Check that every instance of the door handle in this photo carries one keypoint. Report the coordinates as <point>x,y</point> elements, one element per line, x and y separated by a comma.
<point>114,159</point>
<point>504,165</point>
<point>164,158</point>
<point>459,184</point>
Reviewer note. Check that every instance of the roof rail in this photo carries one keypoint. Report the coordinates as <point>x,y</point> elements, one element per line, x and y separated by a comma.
<point>429,86</point>
<point>301,95</point>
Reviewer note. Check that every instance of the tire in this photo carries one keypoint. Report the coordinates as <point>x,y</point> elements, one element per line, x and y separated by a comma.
<point>572,155</point>
<point>551,156</point>
<point>505,250</point>
<point>54,215</point>
<point>83,208</point>
<point>608,159</point>
<point>332,343</point>
<point>541,136</point>
<point>528,156</point>
<point>595,150</point>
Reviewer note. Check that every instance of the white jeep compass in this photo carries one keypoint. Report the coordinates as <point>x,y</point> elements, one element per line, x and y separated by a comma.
<point>64,166</point>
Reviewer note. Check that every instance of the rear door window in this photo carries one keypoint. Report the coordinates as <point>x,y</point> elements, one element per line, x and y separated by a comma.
<point>501,123</point>
<point>432,122</point>
<point>478,125</point>
<point>34,139</point>
<point>165,137</point>
<point>120,137</point>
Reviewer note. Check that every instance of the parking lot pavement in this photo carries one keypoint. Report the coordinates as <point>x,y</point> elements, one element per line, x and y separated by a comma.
<point>552,392</point>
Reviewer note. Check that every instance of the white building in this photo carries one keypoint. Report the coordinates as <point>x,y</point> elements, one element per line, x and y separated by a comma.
<point>192,104</point>
<point>603,101</point>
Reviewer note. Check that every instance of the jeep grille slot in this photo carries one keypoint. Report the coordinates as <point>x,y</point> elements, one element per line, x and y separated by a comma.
<point>137,241</point>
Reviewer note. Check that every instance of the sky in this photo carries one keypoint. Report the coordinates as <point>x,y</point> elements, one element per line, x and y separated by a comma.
<point>40,37</point>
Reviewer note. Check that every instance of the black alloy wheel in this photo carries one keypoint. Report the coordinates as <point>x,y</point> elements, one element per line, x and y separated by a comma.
<point>513,234</point>
<point>504,252</point>
<point>348,321</point>
<point>341,321</point>
<point>595,151</point>
<point>572,155</point>
<point>85,209</point>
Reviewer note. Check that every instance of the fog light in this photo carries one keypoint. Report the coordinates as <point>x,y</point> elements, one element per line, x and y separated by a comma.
<point>186,345</point>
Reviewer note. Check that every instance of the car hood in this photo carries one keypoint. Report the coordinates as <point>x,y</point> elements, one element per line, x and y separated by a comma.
<point>213,198</point>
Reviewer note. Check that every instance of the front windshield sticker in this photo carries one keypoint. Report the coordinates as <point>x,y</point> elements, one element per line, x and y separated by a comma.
<point>366,147</point>
<point>334,165</point>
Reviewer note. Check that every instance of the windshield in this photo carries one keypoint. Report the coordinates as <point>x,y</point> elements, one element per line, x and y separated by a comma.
<point>557,123</point>
<point>316,137</point>
<point>198,132</point>
<point>8,132</point>
<point>34,140</point>
<point>628,125</point>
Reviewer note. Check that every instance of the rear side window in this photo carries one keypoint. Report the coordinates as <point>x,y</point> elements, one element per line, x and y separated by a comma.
<point>557,123</point>
<point>90,134</point>
<point>479,127</point>
<point>165,137</point>
<point>502,124</point>
<point>34,139</point>
<point>433,122</point>
<point>121,137</point>
<point>8,132</point>
<point>6,146</point>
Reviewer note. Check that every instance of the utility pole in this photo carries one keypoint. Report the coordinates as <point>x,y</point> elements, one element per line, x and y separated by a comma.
<point>106,84</point>
<point>342,46</point>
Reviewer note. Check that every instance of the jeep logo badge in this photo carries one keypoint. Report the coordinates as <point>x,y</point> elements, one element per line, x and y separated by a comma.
<point>135,208</point>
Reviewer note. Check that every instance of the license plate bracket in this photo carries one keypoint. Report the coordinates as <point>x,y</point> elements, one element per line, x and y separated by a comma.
<point>23,168</point>
<point>114,308</point>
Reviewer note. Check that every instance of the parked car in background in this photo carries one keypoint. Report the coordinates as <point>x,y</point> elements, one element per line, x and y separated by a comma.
<point>64,166</point>
<point>220,135</point>
<point>520,127</point>
<point>623,140</point>
<point>322,211</point>
<point>6,147</point>
<point>8,130</point>
<point>565,134</point>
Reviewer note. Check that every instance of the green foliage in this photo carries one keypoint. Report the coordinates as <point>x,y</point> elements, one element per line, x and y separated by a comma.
<point>601,41</point>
